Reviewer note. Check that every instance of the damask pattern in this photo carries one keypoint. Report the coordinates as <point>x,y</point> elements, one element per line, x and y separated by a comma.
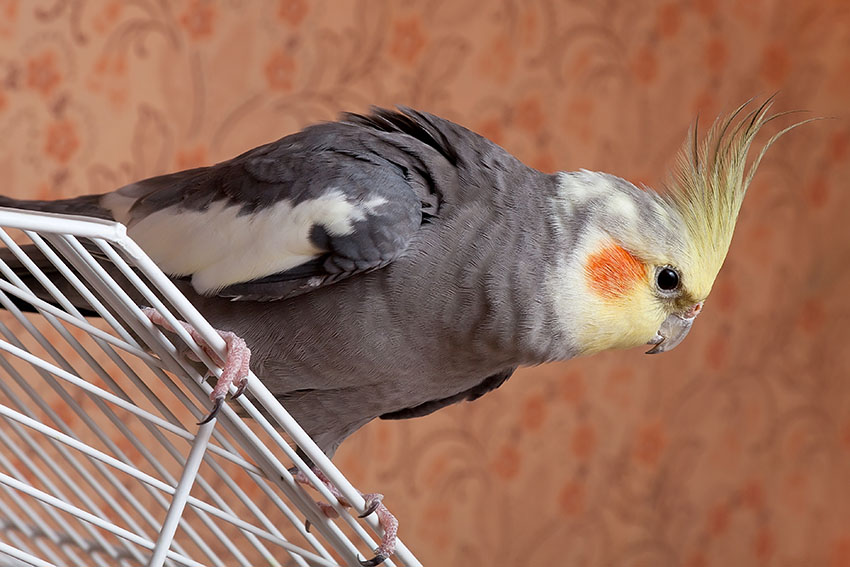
<point>734,449</point>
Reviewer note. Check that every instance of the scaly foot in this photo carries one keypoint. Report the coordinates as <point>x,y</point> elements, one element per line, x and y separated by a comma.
<point>374,504</point>
<point>234,370</point>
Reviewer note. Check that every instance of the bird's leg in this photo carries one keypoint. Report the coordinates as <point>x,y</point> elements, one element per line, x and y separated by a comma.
<point>374,503</point>
<point>234,370</point>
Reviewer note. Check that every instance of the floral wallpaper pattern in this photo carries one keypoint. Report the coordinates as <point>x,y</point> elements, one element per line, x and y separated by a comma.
<point>732,450</point>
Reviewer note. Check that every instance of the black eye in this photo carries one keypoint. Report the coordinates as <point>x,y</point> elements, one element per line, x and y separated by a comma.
<point>668,279</point>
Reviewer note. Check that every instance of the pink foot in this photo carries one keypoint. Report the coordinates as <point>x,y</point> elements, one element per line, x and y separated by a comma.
<point>234,370</point>
<point>374,503</point>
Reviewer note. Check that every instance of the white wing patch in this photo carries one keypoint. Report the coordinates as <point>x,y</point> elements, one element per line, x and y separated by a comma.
<point>119,203</point>
<point>220,247</point>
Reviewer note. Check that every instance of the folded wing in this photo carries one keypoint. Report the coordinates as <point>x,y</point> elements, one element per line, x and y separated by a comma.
<point>327,203</point>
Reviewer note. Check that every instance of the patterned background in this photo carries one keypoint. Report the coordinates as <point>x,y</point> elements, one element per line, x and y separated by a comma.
<point>732,450</point>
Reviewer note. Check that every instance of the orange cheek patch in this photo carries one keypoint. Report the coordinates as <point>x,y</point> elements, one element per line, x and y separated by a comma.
<point>613,271</point>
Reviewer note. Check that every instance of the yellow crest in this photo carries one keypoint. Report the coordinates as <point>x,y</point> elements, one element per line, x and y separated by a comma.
<point>708,185</point>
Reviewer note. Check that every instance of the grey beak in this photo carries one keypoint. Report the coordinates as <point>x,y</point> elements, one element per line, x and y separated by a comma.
<point>673,330</point>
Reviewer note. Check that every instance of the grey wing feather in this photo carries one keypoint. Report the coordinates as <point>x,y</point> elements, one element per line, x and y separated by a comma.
<point>389,158</point>
<point>487,385</point>
<point>401,160</point>
<point>85,205</point>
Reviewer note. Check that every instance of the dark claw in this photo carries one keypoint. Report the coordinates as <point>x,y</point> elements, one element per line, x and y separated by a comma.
<point>240,390</point>
<point>377,560</point>
<point>211,416</point>
<point>307,525</point>
<point>372,507</point>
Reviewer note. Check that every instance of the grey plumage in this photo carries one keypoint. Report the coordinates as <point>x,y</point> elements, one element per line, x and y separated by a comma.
<point>432,294</point>
<point>389,265</point>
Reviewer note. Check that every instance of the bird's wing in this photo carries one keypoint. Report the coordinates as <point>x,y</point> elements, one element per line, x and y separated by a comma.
<point>329,202</point>
<point>487,385</point>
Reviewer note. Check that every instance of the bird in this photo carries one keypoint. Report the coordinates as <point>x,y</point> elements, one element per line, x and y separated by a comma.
<point>392,263</point>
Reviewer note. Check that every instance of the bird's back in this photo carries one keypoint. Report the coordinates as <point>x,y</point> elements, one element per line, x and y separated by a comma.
<point>431,297</point>
<point>462,304</point>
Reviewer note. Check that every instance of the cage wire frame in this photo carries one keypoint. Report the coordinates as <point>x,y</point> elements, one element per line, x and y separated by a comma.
<point>102,462</point>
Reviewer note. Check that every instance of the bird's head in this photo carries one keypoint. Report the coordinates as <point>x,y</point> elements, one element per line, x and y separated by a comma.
<point>647,261</point>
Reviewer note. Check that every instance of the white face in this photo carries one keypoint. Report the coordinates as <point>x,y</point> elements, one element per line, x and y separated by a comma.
<point>620,282</point>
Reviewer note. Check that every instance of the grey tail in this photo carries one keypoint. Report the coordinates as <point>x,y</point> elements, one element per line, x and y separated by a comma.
<point>13,264</point>
<point>87,205</point>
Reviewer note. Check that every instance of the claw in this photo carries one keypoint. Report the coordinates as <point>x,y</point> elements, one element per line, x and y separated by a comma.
<point>372,503</point>
<point>239,390</point>
<point>214,412</point>
<point>377,560</point>
<point>235,368</point>
<point>326,509</point>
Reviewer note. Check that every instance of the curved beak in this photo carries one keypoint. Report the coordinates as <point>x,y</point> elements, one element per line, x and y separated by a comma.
<point>673,330</point>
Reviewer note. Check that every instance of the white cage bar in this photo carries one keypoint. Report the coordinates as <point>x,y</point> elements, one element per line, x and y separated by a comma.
<point>101,460</point>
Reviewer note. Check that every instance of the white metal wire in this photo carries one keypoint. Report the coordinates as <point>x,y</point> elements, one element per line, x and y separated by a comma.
<point>101,462</point>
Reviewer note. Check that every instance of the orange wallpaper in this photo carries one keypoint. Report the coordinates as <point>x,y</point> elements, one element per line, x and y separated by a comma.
<point>732,450</point>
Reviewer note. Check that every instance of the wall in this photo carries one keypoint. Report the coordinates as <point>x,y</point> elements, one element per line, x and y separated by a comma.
<point>732,450</point>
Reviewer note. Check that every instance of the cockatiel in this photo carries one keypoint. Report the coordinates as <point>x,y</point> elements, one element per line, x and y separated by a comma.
<point>390,264</point>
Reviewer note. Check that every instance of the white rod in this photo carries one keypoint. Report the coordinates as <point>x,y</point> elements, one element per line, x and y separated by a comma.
<point>25,557</point>
<point>82,384</point>
<point>94,366</point>
<point>56,223</point>
<point>126,308</point>
<point>123,304</point>
<point>252,506</point>
<point>275,469</point>
<point>212,527</point>
<point>194,318</point>
<point>87,517</point>
<point>27,388</point>
<point>81,324</point>
<point>179,431</point>
<point>77,283</point>
<point>140,510</point>
<point>174,296</point>
<point>141,414</point>
<point>149,480</point>
<point>181,494</point>
<point>158,305</point>
<point>183,306</point>
<point>24,458</point>
<point>26,529</point>
<point>22,291</point>
<point>62,447</point>
<point>154,301</point>
<point>49,534</point>
<point>301,439</point>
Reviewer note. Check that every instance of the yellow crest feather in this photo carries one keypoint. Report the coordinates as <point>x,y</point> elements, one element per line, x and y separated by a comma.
<point>708,186</point>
